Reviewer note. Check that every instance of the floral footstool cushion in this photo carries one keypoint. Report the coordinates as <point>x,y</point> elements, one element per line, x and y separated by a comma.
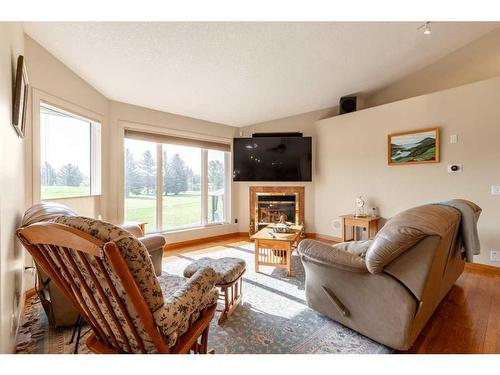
<point>229,273</point>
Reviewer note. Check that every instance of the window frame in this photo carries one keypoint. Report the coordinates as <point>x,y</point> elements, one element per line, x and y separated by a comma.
<point>39,99</point>
<point>204,223</point>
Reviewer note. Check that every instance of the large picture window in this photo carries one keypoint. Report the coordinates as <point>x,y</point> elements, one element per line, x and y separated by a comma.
<point>69,154</point>
<point>173,184</point>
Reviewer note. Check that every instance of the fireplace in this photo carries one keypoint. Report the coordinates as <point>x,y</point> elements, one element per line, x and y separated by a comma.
<point>270,207</point>
<point>269,203</point>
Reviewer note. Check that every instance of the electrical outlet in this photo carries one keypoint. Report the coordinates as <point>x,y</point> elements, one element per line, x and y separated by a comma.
<point>495,190</point>
<point>495,256</point>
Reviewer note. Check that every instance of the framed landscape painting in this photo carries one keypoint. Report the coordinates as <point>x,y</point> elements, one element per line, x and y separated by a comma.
<point>413,147</point>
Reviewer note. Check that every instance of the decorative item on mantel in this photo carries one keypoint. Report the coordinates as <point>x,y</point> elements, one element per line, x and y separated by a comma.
<point>360,207</point>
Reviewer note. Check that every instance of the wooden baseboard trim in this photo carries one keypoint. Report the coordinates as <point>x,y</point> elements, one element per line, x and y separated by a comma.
<point>201,241</point>
<point>324,237</point>
<point>483,268</point>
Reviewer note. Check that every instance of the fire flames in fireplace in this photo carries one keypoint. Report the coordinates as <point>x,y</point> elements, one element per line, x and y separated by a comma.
<point>270,207</point>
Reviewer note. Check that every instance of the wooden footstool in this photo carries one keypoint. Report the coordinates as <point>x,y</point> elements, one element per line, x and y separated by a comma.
<point>229,279</point>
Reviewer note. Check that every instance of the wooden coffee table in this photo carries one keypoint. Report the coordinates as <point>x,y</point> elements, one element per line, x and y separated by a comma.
<point>275,249</point>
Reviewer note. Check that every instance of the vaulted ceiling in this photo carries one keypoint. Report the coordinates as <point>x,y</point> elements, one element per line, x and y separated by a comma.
<point>241,73</point>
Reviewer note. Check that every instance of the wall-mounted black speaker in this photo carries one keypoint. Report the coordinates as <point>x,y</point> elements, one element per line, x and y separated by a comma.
<point>347,104</point>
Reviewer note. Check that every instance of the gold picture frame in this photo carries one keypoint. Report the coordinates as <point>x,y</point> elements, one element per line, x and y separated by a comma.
<point>420,146</point>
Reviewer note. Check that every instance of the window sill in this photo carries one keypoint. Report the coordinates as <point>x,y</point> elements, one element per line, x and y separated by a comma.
<point>193,229</point>
<point>72,197</point>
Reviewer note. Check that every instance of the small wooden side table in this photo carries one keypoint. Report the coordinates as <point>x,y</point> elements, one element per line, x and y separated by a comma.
<point>369,223</point>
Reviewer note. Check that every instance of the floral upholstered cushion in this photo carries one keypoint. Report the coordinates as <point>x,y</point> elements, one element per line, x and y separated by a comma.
<point>227,269</point>
<point>169,284</point>
<point>184,300</point>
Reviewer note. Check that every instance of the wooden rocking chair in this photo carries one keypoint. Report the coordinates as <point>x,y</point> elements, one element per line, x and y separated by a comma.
<point>95,276</point>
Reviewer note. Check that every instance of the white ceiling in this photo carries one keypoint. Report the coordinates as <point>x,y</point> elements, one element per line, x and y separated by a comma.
<point>241,73</point>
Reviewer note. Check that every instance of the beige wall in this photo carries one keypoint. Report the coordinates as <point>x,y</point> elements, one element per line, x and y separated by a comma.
<point>479,60</point>
<point>352,158</point>
<point>300,123</point>
<point>13,181</point>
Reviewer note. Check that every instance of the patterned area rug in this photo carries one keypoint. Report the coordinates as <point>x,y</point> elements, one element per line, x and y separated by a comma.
<point>273,317</point>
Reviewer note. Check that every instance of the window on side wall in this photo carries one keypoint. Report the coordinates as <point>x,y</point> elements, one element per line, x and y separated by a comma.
<point>70,154</point>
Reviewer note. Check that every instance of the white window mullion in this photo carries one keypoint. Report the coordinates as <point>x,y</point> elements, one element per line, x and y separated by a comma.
<point>227,187</point>
<point>204,187</point>
<point>95,158</point>
<point>159,187</point>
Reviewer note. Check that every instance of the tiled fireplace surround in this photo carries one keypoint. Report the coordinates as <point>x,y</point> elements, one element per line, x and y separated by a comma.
<point>267,203</point>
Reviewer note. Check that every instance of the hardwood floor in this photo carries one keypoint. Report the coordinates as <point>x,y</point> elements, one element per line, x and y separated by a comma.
<point>467,321</point>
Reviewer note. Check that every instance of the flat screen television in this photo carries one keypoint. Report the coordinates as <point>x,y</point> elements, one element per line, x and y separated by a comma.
<point>272,159</point>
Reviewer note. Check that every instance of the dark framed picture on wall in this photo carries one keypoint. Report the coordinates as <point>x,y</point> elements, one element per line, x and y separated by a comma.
<point>20,99</point>
<point>413,147</point>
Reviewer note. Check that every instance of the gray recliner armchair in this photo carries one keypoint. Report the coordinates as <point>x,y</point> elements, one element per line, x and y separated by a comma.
<point>387,288</point>
<point>59,311</point>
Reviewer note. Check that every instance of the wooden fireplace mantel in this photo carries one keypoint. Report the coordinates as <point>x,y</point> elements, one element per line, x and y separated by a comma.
<point>285,190</point>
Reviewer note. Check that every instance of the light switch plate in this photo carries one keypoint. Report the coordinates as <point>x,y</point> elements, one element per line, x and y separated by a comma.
<point>495,190</point>
<point>453,138</point>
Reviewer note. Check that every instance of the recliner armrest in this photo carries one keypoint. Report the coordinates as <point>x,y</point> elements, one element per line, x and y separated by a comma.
<point>321,253</point>
<point>152,241</point>
<point>133,229</point>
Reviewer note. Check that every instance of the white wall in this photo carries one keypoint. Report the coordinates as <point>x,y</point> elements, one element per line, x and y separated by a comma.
<point>13,180</point>
<point>352,158</point>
